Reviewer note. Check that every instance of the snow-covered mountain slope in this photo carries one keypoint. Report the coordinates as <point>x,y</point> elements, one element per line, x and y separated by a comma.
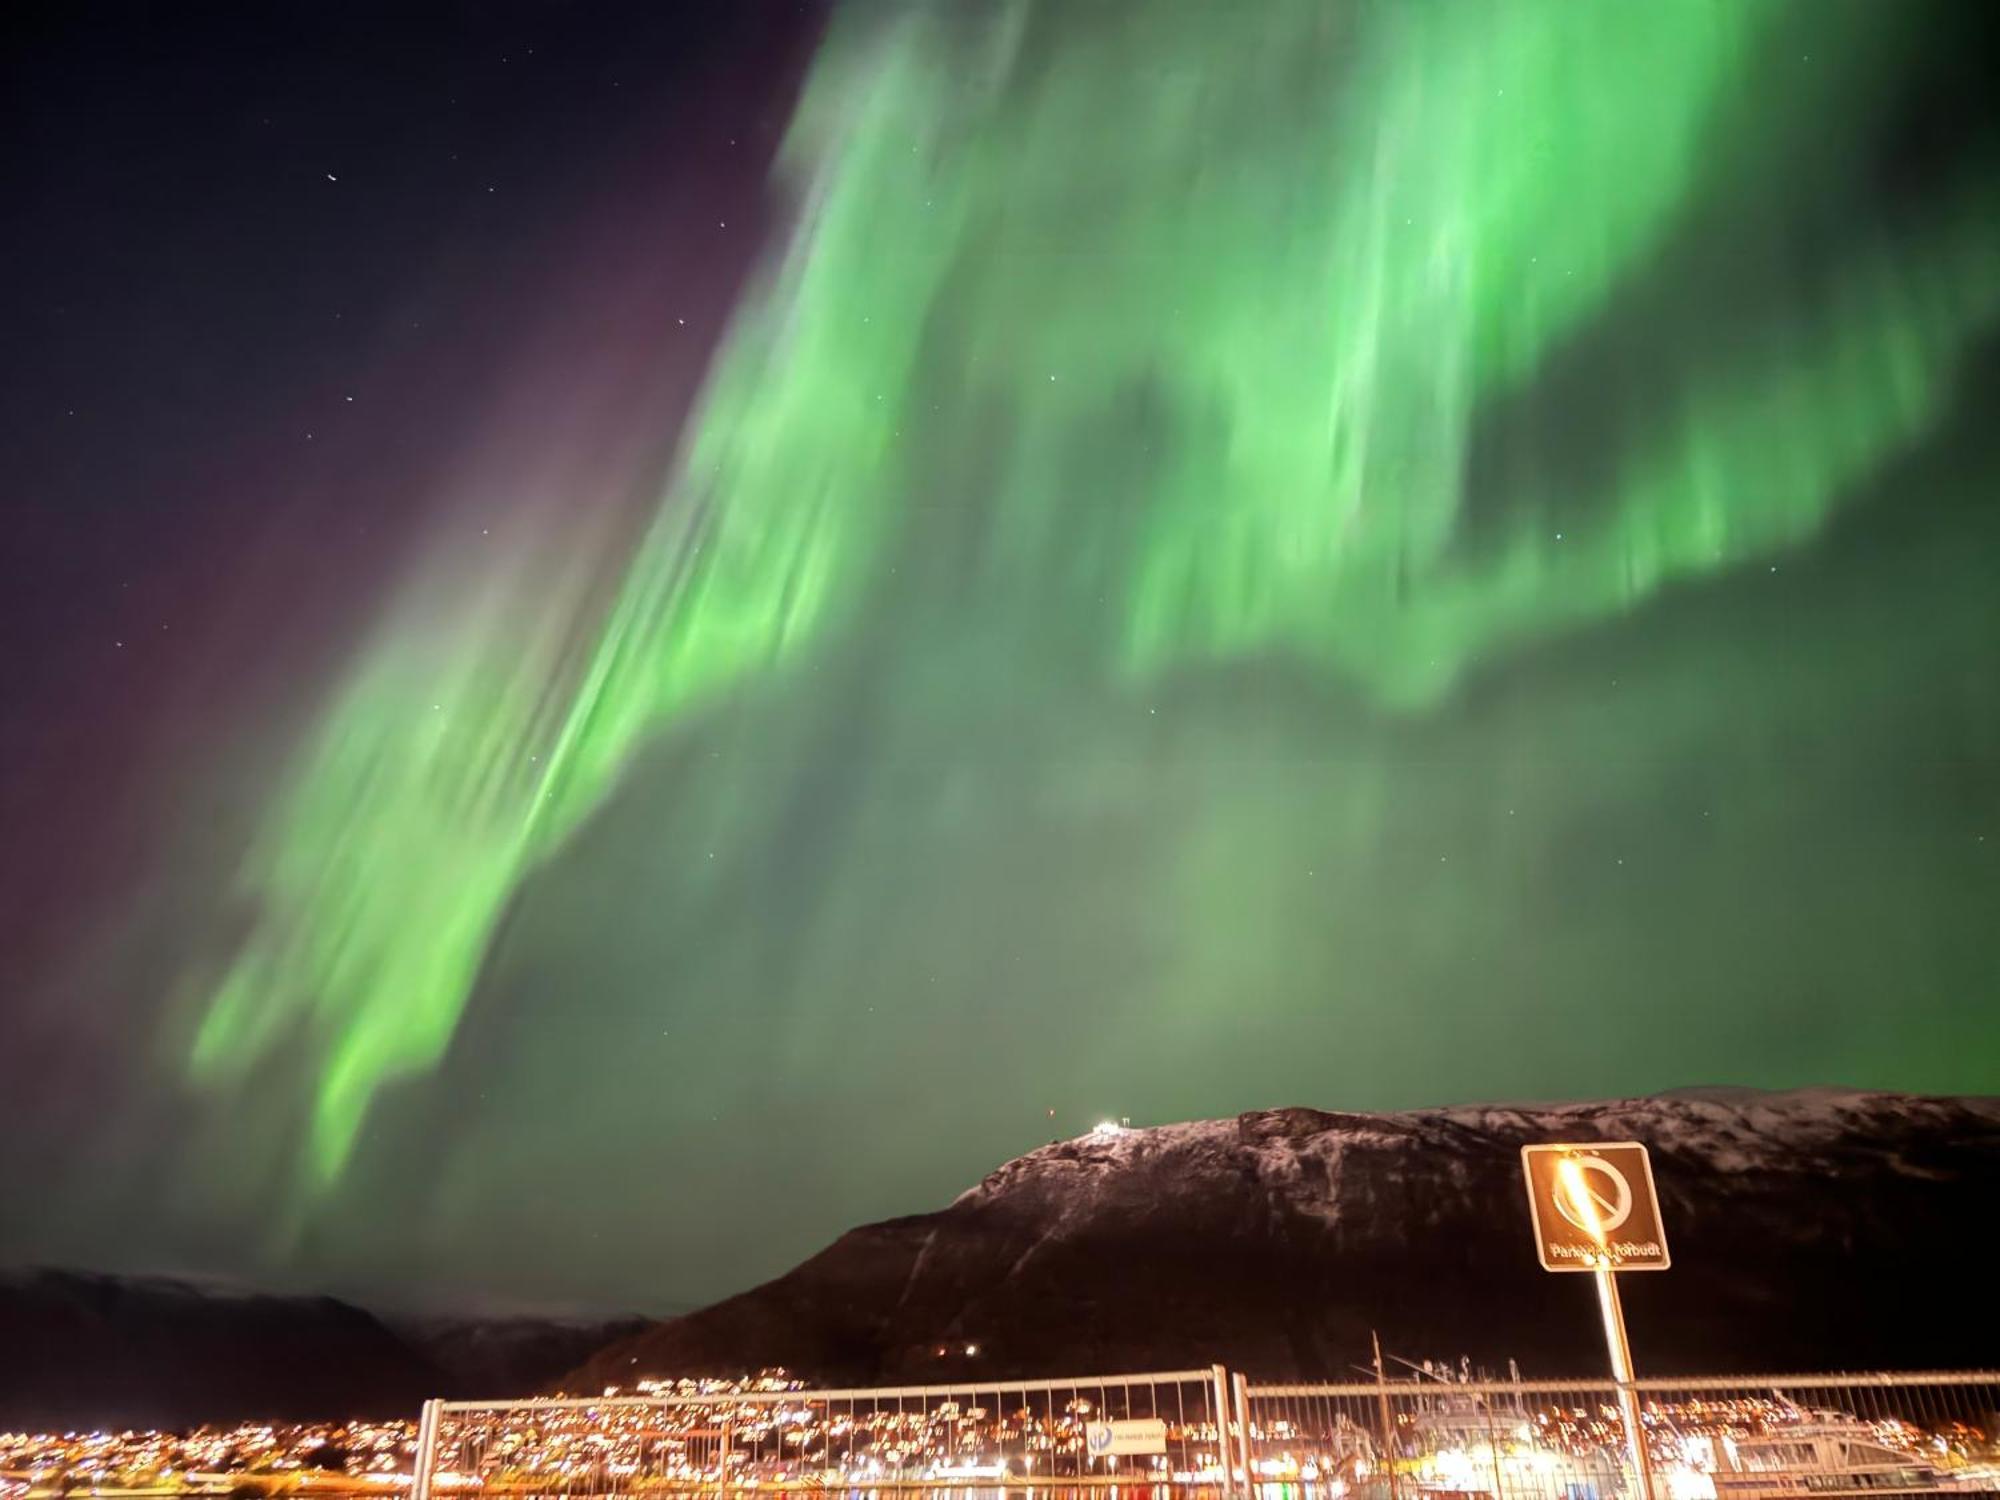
<point>1806,1229</point>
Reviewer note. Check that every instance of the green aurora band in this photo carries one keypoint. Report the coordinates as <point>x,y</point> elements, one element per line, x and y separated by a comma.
<point>1200,330</point>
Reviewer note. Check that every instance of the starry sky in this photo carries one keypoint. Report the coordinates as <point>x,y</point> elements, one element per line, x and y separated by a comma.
<point>638,633</point>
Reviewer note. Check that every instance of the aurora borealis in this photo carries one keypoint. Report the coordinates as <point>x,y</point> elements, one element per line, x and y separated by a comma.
<point>1372,555</point>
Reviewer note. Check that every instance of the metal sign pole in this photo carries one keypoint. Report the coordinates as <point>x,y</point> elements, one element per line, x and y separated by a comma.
<point>1621,1371</point>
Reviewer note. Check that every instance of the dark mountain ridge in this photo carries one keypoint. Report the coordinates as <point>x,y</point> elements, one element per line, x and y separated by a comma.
<point>1804,1227</point>
<point>1806,1230</point>
<point>83,1349</point>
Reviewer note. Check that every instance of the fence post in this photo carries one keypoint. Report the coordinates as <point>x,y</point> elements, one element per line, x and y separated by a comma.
<point>1223,1460</point>
<point>1243,1433</point>
<point>1388,1426</point>
<point>426,1457</point>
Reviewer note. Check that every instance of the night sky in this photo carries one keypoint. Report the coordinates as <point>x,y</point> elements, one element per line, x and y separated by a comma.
<point>638,633</point>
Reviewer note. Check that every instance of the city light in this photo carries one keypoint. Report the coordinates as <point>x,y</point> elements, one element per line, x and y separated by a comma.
<point>770,1432</point>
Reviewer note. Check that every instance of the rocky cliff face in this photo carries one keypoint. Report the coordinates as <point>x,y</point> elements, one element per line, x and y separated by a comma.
<point>1808,1229</point>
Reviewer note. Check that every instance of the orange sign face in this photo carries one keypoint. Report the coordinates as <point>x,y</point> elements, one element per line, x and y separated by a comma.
<point>1594,1207</point>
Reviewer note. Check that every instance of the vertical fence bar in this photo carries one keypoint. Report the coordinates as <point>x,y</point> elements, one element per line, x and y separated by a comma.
<point>1388,1426</point>
<point>1219,1406</point>
<point>426,1454</point>
<point>1242,1389</point>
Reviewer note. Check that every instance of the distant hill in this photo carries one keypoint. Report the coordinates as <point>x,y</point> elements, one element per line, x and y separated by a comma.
<point>508,1356</point>
<point>88,1350</point>
<point>1806,1231</point>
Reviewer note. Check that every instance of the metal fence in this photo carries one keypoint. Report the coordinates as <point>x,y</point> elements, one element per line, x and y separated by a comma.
<point>1767,1437</point>
<point>1054,1433</point>
<point>1771,1437</point>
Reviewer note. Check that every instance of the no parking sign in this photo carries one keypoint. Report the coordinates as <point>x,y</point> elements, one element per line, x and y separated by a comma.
<point>1594,1207</point>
